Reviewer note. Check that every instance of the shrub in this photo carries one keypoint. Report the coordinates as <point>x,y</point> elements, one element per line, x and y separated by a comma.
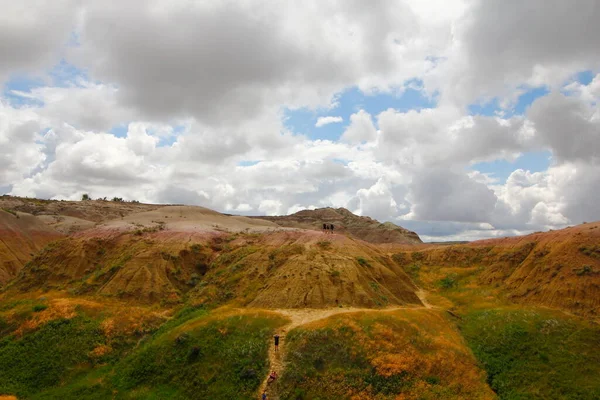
<point>590,251</point>
<point>400,258</point>
<point>39,307</point>
<point>585,270</point>
<point>448,282</point>
<point>363,261</point>
<point>85,197</point>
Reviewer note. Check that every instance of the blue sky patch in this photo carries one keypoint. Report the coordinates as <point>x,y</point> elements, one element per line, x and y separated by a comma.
<point>65,74</point>
<point>585,77</point>
<point>486,108</point>
<point>527,98</point>
<point>167,141</point>
<point>62,74</point>
<point>120,130</point>
<point>350,101</point>
<point>247,163</point>
<point>501,169</point>
<point>22,83</point>
<point>492,107</point>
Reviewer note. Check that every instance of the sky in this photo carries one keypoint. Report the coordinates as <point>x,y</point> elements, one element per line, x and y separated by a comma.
<point>459,120</point>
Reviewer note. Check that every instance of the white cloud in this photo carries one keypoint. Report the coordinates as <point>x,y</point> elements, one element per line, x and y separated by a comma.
<point>361,128</point>
<point>86,105</point>
<point>19,152</point>
<point>216,95</point>
<point>321,121</point>
<point>498,47</point>
<point>238,60</point>
<point>377,201</point>
<point>270,207</point>
<point>568,126</point>
<point>32,34</point>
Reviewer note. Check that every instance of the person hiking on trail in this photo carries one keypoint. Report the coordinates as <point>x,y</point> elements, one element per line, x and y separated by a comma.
<point>324,228</point>
<point>331,227</point>
<point>272,377</point>
<point>276,337</point>
<point>264,396</point>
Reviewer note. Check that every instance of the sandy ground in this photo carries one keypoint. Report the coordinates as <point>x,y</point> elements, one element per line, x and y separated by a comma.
<point>65,224</point>
<point>190,219</point>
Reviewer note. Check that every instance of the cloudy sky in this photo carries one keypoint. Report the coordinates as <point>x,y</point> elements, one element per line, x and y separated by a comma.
<point>457,119</point>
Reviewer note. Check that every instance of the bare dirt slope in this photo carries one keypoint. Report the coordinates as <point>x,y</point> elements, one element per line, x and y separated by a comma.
<point>559,269</point>
<point>21,235</point>
<point>72,216</point>
<point>188,219</point>
<point>345,222</point>
<point>91,210</point>
<point>165,254</point>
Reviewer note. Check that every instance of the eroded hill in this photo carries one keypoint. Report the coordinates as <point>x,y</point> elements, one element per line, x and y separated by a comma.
<point>21,236</point>
<point>559,269</point>
<point>176,252</point>
<point>345,222</point>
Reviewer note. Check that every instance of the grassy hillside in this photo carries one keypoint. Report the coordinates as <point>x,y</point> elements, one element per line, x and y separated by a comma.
<point>528,352</point>
<point>416,353</point>
<point>93,355</point>
<point>536,353</point>
<point>559,269</point>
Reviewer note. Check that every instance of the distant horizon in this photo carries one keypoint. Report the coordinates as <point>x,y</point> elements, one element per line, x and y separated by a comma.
<point>430,240</point>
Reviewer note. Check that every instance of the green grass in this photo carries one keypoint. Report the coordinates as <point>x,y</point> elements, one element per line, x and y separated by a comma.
<point>42,359</point>
<point>195,355</point>
<point>337,361</point>
<point>39,307</point>
<point>448,282</point>
<point>536,354</point>
<point>326,355</point>
<point>363,261</point>
<point>220,359</point>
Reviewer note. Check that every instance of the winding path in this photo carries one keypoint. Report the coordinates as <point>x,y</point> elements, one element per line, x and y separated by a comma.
<point>300,317</point>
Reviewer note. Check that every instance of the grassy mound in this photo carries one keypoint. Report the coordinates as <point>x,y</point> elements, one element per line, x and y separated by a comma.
<point>536,354</point>
<point>401,355</point>
<point>79,349</point>
<point>48,356</point>
<point>195,355</point>
<point>220,358</point>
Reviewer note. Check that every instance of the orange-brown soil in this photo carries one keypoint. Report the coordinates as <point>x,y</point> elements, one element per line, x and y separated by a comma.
<point>269,270</point>
<point>21,235</point>
<point>559,269</point>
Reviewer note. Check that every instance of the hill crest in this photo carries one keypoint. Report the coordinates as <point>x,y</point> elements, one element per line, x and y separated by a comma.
<point>345,222</point>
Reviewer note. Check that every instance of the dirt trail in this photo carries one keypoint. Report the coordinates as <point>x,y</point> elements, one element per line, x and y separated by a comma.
<point>300,317</point>
<point>423,297</point>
